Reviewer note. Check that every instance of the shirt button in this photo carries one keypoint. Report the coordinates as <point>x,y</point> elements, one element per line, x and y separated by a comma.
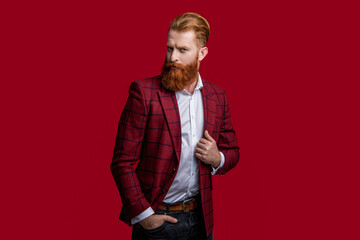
<point>192,174</point>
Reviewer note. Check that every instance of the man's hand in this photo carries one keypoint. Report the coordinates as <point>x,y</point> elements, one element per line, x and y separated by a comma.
<point>156,220</point>
<point>207,151</point>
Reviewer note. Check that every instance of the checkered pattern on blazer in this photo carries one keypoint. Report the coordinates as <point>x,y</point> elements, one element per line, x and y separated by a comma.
<point>149,135</point>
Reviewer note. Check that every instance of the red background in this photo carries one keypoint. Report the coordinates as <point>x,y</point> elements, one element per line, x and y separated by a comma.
<point>290,70</point>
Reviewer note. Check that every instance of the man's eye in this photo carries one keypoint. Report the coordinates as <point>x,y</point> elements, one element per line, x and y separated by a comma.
<point>184,50</point>
<point>169,48</point>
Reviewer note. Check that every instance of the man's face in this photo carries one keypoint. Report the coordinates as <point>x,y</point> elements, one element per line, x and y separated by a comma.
<point>182,61</point>
<point>182,47</point>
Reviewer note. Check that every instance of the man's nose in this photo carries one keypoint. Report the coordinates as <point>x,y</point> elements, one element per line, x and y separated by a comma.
<point>174,56</point>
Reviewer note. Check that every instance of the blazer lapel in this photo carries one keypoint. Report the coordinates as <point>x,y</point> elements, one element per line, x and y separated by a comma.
<point>171,111</point>
<point>209,104</point>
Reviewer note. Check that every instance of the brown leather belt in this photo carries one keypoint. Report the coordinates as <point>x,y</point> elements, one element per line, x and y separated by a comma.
<point>186,205</point>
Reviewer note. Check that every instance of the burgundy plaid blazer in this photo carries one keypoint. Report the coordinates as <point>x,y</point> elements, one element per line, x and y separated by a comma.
<point>148,146</point>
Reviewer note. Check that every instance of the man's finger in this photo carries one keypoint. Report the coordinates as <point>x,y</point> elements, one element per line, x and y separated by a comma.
<point>199,156</point>
<point>201,145</point>
<point>208,137</point>
<point>204,141</point>
<point>170,219</point>
<point>199,150</point>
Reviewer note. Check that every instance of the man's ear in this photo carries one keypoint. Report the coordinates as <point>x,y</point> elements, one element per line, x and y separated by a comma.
<point>202,53</point>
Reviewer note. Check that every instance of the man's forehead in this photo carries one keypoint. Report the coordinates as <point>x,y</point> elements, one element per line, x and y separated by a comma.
<point>183,37</point>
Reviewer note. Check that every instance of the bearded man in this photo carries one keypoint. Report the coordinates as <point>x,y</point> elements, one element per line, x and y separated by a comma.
<point>177,128</point>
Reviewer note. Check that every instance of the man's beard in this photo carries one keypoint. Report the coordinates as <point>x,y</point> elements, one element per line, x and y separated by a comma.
<point>178,79</point>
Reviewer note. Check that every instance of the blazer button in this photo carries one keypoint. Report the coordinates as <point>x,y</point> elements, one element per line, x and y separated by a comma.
<point>174,169</point>
<point>223,172</point>
<point>163,191</point>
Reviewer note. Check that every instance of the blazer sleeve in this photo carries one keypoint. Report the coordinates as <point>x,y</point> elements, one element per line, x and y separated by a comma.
<point>227,142</point>
<point>127,151</point>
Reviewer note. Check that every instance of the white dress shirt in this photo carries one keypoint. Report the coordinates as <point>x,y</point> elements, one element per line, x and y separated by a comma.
<point>186,182</point>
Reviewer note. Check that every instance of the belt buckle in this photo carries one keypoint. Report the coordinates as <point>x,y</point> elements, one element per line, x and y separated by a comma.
<point>184,202</point>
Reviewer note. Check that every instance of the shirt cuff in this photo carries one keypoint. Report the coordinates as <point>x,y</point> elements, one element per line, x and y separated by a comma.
<point>214,170</point>
<point>147,213</point>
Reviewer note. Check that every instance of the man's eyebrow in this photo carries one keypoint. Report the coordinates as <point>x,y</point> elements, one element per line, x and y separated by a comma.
<point>180,47</point>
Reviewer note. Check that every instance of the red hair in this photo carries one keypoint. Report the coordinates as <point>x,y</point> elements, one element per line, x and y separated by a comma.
<point>192,21</point>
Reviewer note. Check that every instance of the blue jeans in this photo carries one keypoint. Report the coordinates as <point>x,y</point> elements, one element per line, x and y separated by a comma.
<point>190,225</point>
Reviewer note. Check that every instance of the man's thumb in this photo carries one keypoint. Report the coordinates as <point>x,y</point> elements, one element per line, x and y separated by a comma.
<point>207,135</point>
<point>170,219</point>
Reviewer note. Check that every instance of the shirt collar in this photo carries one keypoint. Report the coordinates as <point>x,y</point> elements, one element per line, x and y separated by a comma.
<point>199,84</point>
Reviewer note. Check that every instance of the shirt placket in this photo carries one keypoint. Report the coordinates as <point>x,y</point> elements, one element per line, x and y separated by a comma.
<point>192,140</point>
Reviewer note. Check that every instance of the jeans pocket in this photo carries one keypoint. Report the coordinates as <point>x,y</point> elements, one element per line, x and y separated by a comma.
<point>159,228</point>
<point>160,232</point>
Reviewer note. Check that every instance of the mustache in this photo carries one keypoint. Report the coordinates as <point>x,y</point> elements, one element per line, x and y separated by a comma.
<point>169,65</point>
